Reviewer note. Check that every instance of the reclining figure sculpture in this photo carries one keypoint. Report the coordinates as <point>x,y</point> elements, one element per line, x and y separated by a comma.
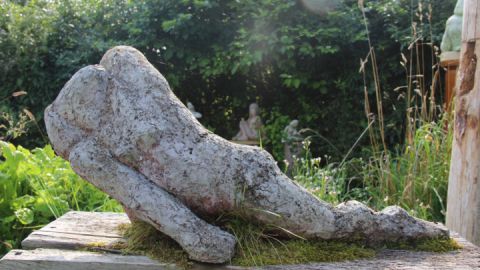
<point>122,129</point>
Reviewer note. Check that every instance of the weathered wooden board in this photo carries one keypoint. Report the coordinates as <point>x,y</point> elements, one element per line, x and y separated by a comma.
<point>50,251</point>
<point>76,230</point>
<point>56,259</point>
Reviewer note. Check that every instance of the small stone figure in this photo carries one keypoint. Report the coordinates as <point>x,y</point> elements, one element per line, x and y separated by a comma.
<point>451,41</point>
<point>292,140</point>
<point>192,109</point>
<point>249,129</point>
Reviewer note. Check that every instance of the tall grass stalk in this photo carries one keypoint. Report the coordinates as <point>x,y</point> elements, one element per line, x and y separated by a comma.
<point>415,174</point>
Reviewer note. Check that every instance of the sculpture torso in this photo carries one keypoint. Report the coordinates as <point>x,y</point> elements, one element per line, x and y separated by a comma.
<point>138,140</point>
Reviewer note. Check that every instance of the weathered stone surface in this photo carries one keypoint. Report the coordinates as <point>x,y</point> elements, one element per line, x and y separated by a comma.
<point>122,129</point>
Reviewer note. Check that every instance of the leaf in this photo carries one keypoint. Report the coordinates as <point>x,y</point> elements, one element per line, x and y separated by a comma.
<point>24,215</point>
<point>167,26</point>
<point>23,201</point>
<point>296,83</point>
<point>19,93</point>
<point>8,219</point>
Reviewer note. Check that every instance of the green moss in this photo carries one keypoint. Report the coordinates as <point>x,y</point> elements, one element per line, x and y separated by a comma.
<point>123,227</point>
<point>258,246</point>
<point>272,252</point>
<point>144,239</point>
<point>98,244</point>
<point>430,245</point>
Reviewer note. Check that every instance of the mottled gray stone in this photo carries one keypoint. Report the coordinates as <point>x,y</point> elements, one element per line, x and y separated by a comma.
<point>123,130</point>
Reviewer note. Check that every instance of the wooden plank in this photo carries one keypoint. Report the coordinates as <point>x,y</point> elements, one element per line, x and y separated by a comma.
<point>54,259</point>
<point>76,230</point>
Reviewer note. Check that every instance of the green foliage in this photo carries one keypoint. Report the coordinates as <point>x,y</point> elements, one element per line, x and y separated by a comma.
<point>324,181</point>
<point>38,186</point>
<point>220,55</point>
<point>415,177</point>
<point>273,130</point>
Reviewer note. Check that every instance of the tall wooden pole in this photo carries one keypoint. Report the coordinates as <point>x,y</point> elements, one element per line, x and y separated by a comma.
<point>463,206</point>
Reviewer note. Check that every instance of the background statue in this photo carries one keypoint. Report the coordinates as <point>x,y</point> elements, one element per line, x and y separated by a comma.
<point>250,129</point>
<point>192,109</point>
<point>292,142</point>
<point>123,129</point>
<point>452,38</point>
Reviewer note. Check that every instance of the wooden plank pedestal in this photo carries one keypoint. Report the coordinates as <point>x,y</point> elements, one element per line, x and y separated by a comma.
<point>58,246</point>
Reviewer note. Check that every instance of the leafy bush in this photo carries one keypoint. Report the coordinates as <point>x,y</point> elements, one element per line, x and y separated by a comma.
<point>221,55</point>
<point>38,186</point>
<point>274,133</point>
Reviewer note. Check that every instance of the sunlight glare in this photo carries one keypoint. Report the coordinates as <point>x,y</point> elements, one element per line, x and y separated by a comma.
<point>320,6</point>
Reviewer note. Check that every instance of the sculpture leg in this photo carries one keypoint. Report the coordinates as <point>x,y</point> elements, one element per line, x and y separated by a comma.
<point>202,241</point>
<point>303,214</point>
<point>280,202</point>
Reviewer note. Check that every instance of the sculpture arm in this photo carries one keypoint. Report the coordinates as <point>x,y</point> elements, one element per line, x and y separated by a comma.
<point>202,241</point>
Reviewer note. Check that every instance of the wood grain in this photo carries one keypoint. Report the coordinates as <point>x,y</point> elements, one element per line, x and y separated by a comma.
<point>471,26</point>
<point>463,205</point>
<point>55,259</point>
<point>78,230</point>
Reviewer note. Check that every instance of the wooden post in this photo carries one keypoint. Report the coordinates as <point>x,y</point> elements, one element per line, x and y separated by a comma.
<point>463,206</point>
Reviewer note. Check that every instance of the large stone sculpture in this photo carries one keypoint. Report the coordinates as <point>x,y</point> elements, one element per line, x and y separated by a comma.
<point>452,38</point>
<point>123,130</point>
